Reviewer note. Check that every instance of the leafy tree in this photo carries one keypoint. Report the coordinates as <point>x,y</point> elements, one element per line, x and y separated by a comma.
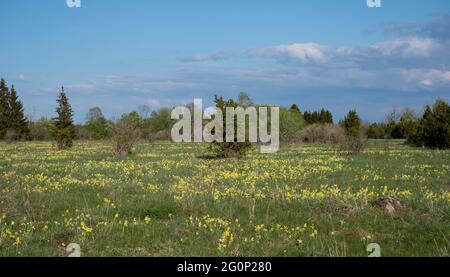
<point>18,124</point>
<point>133,118</point>
<point>228,149</point>
<point>376,131</point>
<point>97,124</point>
<point>408,123</point>
<point>159,121</point>
<point>63,130</point>
<point>125,134</point>
<point>352,124</point>
<point>291,125</point>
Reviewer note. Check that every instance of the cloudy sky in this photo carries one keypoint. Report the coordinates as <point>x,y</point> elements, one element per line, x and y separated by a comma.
<point>316,53</point>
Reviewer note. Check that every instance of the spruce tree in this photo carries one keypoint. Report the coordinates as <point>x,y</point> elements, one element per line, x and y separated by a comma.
<point>4,108</point>
<point>63,130</point>
<point>352,124</point>
<point>295,108</point>
<point>18,123</point>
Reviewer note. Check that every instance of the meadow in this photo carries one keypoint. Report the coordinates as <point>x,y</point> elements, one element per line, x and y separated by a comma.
<point>177,200</point>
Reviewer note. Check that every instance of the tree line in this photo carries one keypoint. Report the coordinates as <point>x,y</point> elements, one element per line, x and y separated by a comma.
<point>432,129</point>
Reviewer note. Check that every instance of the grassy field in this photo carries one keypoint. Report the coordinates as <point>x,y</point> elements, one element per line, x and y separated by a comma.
<point>176,200</point>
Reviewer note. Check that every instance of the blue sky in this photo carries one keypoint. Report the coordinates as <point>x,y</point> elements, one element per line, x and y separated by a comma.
<point>120,54</point>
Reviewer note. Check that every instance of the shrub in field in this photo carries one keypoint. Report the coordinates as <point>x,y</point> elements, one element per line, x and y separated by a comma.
<point>355,138</point>
<point>433,129</point>
<point>125,134</point>
<point>63,130</point>
<point>354,144</point>
<point>291,125</point>
<point>323,133</point>
<point>352,124</point>
<point>228,149</point>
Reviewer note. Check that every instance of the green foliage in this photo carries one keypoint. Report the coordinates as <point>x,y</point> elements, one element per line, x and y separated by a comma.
<point>133,118</point>
<point>352,124</point>
<point>18,122</point>
<point>159,121</point>
<point>295,108</point>
<point>63,130</point>
<point>228,149</point>
<point>291,125</point>
<point>408,123</point>
<point>376,131</point>
<point>397,125</point>
<point>4,108</point>
<point>13,124</point>
<point>96,124</point>
<point>323,116</point>
<point>125,134</point>
<point>433,129</point>
<point>158,125</point>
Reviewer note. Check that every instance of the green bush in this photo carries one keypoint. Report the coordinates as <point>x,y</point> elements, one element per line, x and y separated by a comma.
<point>228,149</point>
<point>291,125</point>
<point>433,129</point>
<point>96,124</point>
<point>125,134</point>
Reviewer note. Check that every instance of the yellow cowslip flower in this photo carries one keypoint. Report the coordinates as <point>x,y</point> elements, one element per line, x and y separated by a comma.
<point>17,241</point>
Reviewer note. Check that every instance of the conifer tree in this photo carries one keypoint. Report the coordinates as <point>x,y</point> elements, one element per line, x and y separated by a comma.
<point>226,149</point>
<point>4,108</point>
<point>63,130</point>
<point>18,123</point>
<point>295,108</point>
<point>352,124</point>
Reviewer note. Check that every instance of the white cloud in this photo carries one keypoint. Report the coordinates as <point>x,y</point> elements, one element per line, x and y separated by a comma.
<point>299,52</point>
<point>408,47</point>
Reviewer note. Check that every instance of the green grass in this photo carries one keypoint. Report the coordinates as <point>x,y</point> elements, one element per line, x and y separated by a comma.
<point>175,200</point>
